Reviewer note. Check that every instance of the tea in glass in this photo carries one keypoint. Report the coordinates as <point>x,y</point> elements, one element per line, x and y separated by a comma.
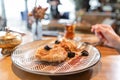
<point>70,31</point>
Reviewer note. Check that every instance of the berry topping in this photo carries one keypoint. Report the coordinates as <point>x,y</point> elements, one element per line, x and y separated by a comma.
<point>71,54</point>
<point>85,53</point>
<point>57,42</point>
<point>47,47</point>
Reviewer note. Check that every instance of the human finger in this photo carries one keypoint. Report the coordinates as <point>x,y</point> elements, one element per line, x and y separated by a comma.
<point>107,26</point>
<point>94,27</point>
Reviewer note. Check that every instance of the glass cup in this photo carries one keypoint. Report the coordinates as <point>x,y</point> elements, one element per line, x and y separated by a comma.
<point>70,30</point>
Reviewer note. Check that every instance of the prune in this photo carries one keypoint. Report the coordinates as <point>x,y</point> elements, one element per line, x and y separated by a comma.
<point>85,53</point>
<point>71,54</point>
<point>47,47</point>
<point>57,42</point>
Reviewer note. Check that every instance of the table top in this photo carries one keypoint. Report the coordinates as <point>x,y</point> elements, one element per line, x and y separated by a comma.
<point>108,68</point>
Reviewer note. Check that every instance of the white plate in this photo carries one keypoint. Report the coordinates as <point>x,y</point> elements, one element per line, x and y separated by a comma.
<point>24,58</point>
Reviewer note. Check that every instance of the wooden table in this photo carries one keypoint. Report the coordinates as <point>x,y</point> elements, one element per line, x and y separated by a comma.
<point>60,25</point>
<point>108,68</point>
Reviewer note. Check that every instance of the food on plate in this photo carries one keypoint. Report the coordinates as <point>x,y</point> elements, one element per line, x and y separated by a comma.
<point>68,45</point>
<point>57,42</point>
<point>47,47</point>
<point>56,54</point>
<point>84,53</point>
<point>71,54</point>
<point>59,51</point>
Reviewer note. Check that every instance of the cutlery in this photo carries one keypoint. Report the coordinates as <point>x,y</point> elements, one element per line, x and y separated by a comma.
<point>8,30</point>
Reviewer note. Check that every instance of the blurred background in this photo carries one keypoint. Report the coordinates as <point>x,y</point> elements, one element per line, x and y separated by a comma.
<point>14,14</point>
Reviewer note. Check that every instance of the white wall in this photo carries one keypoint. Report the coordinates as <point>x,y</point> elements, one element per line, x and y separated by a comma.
<point>0,10</point>
<point>13,8</point>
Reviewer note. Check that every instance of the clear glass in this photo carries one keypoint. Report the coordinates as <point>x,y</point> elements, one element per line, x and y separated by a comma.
<point>37,30</point>
<point>70,30</point>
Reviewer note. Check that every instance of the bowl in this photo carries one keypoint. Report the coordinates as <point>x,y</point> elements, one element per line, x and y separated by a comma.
<point>9,41</point>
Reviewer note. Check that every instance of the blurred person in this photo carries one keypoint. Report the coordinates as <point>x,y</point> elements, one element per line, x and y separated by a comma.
<point>54,10</point>
<point>55,14</point>
<point>86,5</point>
<point>107,35</point>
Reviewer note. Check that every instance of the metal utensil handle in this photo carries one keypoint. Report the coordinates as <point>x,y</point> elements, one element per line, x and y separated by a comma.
<point>8,30</point>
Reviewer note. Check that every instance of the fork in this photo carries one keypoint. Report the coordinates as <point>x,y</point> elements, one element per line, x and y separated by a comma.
<point>84,45</point>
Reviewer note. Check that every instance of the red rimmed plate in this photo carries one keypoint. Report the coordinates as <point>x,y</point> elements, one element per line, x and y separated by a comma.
<point>24,58</point>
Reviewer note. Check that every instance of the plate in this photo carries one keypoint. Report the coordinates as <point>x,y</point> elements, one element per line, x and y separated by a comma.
<point>24,58</point>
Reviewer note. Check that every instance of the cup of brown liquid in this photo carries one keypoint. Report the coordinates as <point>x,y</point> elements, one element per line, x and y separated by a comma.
<point>70,30</point>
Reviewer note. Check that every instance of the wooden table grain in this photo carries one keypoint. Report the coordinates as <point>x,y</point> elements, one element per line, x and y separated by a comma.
<point>108,68</point>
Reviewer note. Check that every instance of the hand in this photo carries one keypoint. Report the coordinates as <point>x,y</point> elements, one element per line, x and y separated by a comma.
<point>106,34</point>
